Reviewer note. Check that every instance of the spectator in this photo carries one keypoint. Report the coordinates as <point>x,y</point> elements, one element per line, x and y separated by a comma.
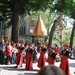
<point>74,53</point>
<point>9,50</point>
<point>35,54</point>
<point>15,51</point>
<point>2,51</point>
<point>50,70</point>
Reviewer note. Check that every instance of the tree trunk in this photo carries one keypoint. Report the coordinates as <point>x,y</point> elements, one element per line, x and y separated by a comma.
<point>53,27</point>
<point>51,34</point>
<point>72,36</point>
<point>62,5</point>
<point>15,21</point>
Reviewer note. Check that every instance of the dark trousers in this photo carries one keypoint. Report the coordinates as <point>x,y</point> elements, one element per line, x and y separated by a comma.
<point>8,60</point>
<point>2,54</point>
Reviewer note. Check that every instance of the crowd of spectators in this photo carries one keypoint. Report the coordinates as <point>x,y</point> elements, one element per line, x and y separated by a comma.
<point>9,51</point>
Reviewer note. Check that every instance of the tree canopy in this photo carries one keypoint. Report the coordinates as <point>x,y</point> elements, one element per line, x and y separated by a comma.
<point>14,8</point>
<point>23,6</point>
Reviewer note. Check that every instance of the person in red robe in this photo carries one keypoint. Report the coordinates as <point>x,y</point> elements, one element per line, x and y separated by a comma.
<point>29,58</point>
<point>42,58</point>
<point>19,58</point>
<point>64,65</point>
<point>52,55</point>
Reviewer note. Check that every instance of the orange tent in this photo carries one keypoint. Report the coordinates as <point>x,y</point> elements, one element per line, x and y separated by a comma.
<point>40,29</point>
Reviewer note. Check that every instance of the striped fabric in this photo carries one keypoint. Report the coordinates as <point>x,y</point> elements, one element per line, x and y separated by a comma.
<point>40,29</point>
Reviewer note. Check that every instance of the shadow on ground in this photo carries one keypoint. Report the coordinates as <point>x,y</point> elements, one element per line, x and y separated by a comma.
<point>16,69</point>
<point>28,74</point>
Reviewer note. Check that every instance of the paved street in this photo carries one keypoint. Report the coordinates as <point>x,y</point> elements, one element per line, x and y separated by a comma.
<point>11,70</point>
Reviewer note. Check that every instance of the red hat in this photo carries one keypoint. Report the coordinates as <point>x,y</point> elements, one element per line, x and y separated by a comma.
<point>22,43</point>
<point>44,43</point>
<point>30,45</point>
<point>66,45</point>
<point>52,47</point>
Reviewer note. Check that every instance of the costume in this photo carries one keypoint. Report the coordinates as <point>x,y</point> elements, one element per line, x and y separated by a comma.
<point>64,65</point>
<point>52,58</point>
<point>29,58</point>
<point>42,58</point>
<point>19,58</point>
<point>52,55</point>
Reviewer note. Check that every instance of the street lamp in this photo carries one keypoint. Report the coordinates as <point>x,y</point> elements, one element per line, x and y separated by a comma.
<point>60,24</point>
<point>31,32</point>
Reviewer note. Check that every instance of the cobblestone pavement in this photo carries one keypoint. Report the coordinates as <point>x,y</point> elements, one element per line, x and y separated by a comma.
<point>11,70</point>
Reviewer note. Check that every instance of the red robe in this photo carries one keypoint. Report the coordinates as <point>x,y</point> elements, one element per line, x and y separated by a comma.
<point>42,60</point>
<point>64,65</point>
<point>51,58</point>
<point>29,59</point>
<point>19,58</point>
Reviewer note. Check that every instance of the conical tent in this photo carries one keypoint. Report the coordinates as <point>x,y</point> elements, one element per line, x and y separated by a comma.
<point>40,29</point>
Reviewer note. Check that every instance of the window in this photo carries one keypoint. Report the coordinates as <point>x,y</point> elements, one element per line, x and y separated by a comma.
<point>22,30</point>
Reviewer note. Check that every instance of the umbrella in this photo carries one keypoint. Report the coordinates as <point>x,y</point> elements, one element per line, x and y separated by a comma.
<point>40,29</point>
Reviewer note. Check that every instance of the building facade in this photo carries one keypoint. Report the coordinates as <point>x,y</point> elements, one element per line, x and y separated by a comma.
<point>25,32</point>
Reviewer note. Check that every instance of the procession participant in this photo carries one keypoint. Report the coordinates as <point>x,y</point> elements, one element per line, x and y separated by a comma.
<point>29,58</point>
<point>8,51</point>
<point>42,58</point>
<point>19,58</point>
<point>64,65</point>
<point>52,55</point>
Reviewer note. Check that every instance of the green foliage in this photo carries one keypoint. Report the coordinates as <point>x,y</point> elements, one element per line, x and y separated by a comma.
<point>65,35</point>
<point>34,7</point>
<point>7,7</point>
<point>67,7</point>
<point>74,0</point>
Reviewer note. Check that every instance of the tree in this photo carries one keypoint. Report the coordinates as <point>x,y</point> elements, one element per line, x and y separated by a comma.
<point>14,8</point>
<point>71,13</point>
<point>72,36</point>
<point>66,7</point>
<point>51,34</point>
<point>60,9</point>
